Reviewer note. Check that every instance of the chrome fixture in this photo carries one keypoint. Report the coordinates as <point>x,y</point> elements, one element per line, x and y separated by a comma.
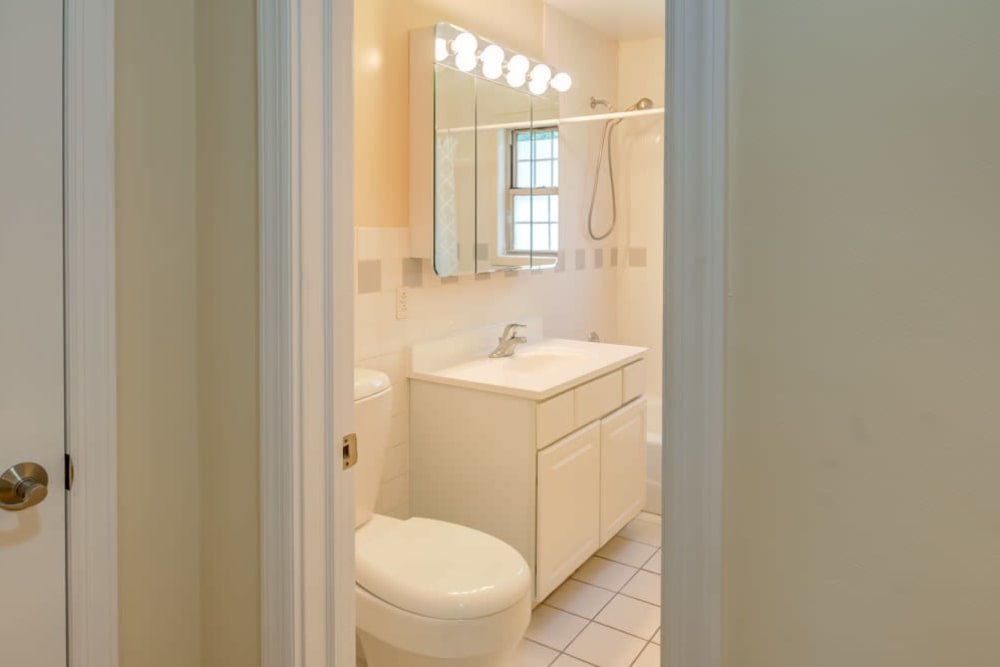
<point>641,104</point>
<point>508,341</point>
<point>23,486</point>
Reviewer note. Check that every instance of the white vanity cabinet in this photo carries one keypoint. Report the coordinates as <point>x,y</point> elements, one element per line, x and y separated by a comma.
<point>556,476</point>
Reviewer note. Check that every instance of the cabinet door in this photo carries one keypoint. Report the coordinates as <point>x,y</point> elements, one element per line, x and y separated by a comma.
<point>623,467</point>
<point>568,507</point>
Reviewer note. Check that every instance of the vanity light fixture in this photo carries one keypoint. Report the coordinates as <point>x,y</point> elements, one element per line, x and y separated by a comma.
<point>459,48</point>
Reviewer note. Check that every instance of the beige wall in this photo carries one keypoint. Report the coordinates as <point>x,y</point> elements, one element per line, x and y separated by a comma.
<point>158,507</point>
<point>227,331</point>
<point>862,442</point>
<point>187,323</point>
<point>381,85</point>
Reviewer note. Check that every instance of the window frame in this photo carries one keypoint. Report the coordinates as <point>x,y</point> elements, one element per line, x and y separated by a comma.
<point>511,191</point>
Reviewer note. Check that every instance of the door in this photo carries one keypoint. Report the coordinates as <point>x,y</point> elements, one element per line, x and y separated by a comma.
<point>568,493</point>
<point>32,540</point>
<point>623,467</point>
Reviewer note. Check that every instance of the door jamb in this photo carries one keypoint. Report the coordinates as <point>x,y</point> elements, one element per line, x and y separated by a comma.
<point>91,419</point>
<point>305,104</point>
<point>694,334</point>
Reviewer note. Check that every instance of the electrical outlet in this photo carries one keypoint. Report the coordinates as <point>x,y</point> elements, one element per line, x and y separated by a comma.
<point>402,303</point>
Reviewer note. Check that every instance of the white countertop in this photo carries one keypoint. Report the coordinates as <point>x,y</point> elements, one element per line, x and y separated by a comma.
<point>537,370</point>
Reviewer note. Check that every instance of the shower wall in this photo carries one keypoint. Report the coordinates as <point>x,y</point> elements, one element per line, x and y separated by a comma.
<point>639,145</point>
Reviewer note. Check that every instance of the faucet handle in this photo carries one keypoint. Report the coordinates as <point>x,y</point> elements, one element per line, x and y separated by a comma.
<point>511,330</point>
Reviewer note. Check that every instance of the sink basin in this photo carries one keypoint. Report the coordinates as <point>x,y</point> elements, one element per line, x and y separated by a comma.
<point>536,370</point>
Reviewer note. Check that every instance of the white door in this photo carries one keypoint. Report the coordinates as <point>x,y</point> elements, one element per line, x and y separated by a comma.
<point>32,540</point>
<point>568,503</point>
<point>623,467</point>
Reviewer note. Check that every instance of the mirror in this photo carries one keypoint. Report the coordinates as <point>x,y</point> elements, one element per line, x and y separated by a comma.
<point>496,160</point>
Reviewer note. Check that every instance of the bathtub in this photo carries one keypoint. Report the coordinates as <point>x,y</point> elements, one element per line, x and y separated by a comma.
<point>654,455</point>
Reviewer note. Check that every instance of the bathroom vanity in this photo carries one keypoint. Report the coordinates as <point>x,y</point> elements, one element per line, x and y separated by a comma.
<point>544,449</point>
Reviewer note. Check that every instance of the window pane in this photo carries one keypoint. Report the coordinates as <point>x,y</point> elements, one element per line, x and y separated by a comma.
<point>554,208</point>
<point>540,238</point>
<point>522,208</point>
<point>543,174</point>
<point>523,142</point>
<point>522,237</point>
<point>554,236</point>
<point>543,149</point>
<point>523,176</point>
<point>555,145</point>
<point>540,208</point>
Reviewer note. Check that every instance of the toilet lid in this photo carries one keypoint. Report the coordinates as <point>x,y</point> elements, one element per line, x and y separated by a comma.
<point>441,570</point>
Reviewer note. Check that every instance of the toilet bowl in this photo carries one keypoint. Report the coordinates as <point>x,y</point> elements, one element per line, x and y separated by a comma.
<point>429,593</point>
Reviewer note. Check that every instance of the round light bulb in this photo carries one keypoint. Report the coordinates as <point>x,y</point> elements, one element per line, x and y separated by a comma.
<point>440,49</point>
<point>541,73</point>
<point>465,43</point>
<point>492,54</point>
<point>515,79</point>
<point>518,64</point>
<point>492,69</point>
<point>465,61</point>
<point>537,86</point>
<point>562,82</point>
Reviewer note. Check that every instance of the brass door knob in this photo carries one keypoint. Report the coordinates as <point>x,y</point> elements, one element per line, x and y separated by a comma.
<point>23,486</point>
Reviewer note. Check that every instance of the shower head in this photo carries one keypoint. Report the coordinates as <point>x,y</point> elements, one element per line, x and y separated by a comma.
<point>641,104</point>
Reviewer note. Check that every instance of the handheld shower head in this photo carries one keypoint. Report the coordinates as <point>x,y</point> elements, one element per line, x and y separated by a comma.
<point>641,104</point>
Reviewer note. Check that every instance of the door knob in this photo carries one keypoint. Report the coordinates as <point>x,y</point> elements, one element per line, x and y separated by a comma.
<point>23,486</point>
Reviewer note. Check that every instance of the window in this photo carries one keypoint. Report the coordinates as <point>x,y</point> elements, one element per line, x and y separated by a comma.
<point>533,191</point>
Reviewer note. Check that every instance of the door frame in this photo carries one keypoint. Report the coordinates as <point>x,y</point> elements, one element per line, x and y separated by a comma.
<point>305,106</point>
<point>91,418</point>
<point>305,79</point>
<point>694,331</point>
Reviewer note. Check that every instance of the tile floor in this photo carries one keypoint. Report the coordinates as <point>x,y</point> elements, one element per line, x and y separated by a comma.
<point>608,613</point>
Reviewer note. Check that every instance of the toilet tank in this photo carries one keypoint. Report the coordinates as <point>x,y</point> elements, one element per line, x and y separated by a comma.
<point>372,410</point>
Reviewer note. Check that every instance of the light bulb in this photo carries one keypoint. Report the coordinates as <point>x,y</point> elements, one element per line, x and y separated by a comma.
<point>515,79</point>
<point>440,49</point>
<point>465,43</point>
<point>562,82</point>
<point>492,54</point>
<point>537,86</point>
<point>541,73</point>
<point>465,61</point>
<point>518,64</point>
<point>492,69</point>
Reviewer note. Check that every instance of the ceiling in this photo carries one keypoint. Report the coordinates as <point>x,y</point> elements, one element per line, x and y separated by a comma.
<point>620,19</point>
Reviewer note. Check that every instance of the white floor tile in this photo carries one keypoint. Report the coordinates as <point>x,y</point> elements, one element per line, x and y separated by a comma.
<point>530,654</point>
<point>553,628</point>
<point>642,530</point>
<point>568,661</point>
<point>650,657</point>
<point>656,637</point>
<point>632,616</point>
<point>604,573</point>
<point>579,598</point>
<point>605,647</point>
<point>645,586</point>
<point>627,552</point>
<point>655,563</point>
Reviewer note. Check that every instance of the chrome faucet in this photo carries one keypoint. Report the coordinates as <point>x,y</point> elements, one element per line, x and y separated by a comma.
<point>508,341</point>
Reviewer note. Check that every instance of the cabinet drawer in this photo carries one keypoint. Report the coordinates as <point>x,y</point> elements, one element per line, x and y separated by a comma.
<point>597,398</point>
<point>554,419</point>
<point>633,380</point>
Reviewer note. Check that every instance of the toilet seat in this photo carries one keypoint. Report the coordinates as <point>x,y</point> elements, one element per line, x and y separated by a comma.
<point>439,570</point>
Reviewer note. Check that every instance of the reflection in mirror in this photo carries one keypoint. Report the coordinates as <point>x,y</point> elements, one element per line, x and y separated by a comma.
<point>454,172</point>
<point>496,158</point>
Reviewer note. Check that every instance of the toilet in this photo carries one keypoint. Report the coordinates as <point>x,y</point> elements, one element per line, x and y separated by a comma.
<point>429,593</point>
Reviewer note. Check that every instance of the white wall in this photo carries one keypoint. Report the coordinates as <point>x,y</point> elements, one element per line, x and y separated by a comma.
<point>862,452</point>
